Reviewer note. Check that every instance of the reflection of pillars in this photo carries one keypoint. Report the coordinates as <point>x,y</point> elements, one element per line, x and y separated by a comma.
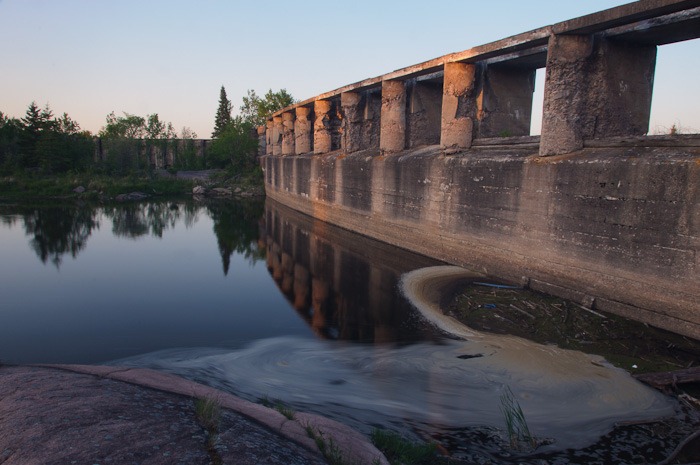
<point>594,88</point>
<point>319,298</point>
<point>287,283</point>
<point>338,307</point>
<point>351,125</point>
<point>275,263</point>
<point>302,131</point>
<point>380,305</point>
<point>392,135</point>
<point>277,131</point>
<point>457,106</point>
<point>301,287</point>
<point>269,131</point>
<point>322,126</point>
<point>261,141</point>
<point>288,133</point>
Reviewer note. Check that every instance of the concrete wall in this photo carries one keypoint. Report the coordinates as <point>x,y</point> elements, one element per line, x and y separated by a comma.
<point>436,158</point>
<point>158,153</point>
<point>613,229</point>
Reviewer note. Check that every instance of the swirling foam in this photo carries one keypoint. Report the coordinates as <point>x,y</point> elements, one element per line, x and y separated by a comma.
<point>568,396</point>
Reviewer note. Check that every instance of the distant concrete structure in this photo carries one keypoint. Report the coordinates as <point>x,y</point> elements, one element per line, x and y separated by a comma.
<point>157,153</point>
<point>437,158</point>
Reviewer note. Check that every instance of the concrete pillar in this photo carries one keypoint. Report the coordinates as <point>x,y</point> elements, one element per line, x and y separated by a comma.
<point>351,126</point>
<point>504,105</point>
<point>392,133</point>
<point>322,126</point>
<point>288,133</point>
<point>277,131</point>
<point>262,142</point>
<point>457,106</point>
<point>594,89</point>
<point>302,131</point>
<point>269,130</point>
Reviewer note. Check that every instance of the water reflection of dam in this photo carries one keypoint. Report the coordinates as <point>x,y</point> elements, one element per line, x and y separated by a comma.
<point>345,286</point>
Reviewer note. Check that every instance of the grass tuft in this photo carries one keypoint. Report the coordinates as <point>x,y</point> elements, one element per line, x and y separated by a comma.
<point>330,450</point>
<point>208,412</point>
<point>516,425</point>
<point>278,405</point>
<point>399,450</point>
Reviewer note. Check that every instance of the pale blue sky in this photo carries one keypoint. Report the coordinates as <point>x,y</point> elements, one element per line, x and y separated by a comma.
<point>91,57</point>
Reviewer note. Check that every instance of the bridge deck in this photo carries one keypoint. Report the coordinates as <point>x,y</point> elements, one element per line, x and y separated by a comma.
<point>646,22</point>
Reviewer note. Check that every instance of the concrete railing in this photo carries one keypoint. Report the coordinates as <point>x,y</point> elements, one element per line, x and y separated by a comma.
<point>598,84</point>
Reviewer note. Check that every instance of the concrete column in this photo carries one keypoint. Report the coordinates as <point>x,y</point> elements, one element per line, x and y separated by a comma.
<point>392,132</point>
<point>504,106</point>
<point>277,131</point>
<point>269,130</point>
<point>351,126</point>
<point>457,122</point>
<point>322,126</point>
<point>302,130</point>
<point>288,133</point>
<point>262,142</point>
<point>594,89</point>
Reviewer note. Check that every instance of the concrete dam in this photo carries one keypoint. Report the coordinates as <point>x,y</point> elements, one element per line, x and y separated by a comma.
<point>437,158</point>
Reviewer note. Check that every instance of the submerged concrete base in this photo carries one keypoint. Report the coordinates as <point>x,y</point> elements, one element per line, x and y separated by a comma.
<point>613,228</point>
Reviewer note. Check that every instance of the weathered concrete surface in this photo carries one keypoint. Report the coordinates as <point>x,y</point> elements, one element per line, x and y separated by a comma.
<point>652,22</point>
<point>392,136</point>
<point>504,105</point>
<point>458,106</point>
<point>98,414</point>
<point>302,130</point>
<point>277,135</point>
<point>595,88</point>
<point>612,228</point>
<point>159,153</point>
<point>351,134</point>
<point>288,133</point>
<point>322,126</point>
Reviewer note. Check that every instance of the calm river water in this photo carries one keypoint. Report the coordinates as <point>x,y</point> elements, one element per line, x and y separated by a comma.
<point>264,302</point>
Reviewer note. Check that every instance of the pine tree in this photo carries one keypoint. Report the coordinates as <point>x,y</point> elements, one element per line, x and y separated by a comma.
<point>32,125</point>
<point>223,114</point>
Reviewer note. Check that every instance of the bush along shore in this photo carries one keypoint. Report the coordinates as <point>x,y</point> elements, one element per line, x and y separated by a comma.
<point>159,183</point>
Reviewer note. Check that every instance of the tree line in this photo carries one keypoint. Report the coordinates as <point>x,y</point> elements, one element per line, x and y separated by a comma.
<point>235,137</point>
<point>43,144</point>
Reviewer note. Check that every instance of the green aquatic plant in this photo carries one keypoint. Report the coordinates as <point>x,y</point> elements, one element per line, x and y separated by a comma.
<point>516,424</point>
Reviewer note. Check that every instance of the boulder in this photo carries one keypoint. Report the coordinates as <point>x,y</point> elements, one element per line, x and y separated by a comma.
<point>199,190</point>
<point>131,196</point>
<point>79,190</point>
<point>221,191</point>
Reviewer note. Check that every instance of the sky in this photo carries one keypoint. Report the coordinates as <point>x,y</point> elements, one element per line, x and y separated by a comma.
<point>91,57</point>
